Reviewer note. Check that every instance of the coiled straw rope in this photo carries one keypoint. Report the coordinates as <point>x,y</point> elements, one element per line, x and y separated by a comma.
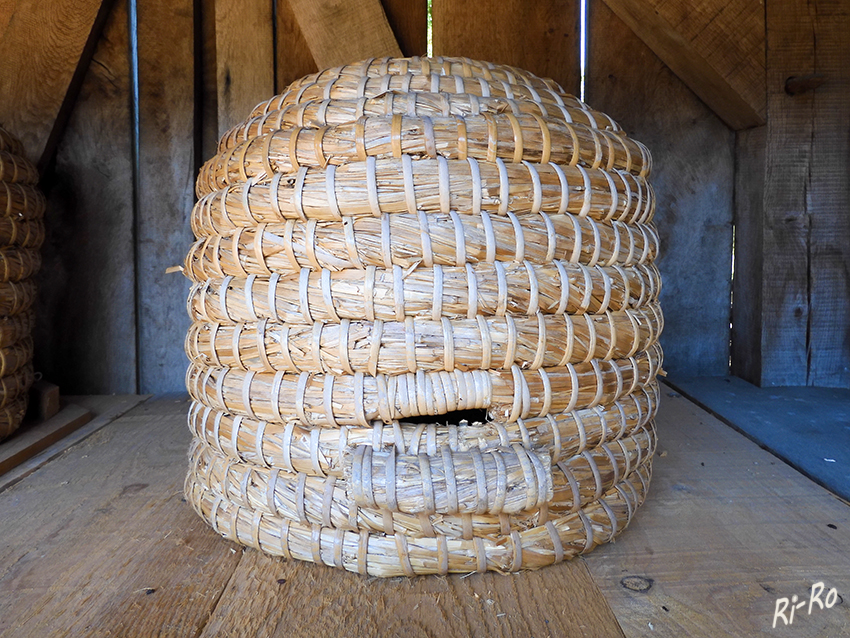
<point>21,234</point>
<point>425,322</point>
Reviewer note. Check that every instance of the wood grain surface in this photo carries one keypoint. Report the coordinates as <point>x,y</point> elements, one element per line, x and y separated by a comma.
<point>726,531</point>
<point>746,354</point>
<point>344,31</point>
<point>164,188</point>
<point>244,48</point>
<point>97,542</point>
<point>829,200</point>
<point>409,21</point>
<point>541,37</point>
<point>41,44</point>
<point>103,545</point>
<point>150,566</point>
<point>693,171</point>
<point>31,439</point>
<point>715,47</point>
<point>86,310</point>
<point>294,59</point>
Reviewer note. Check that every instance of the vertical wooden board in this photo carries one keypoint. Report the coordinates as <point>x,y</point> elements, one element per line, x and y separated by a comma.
<point>166,174</point>
<point>749,213</point>
<point>209,82</point>
<point>294,59</point>
<point>541,37</point>
<point>344,31</point>
<point>41,45</point>
<point>785,299</point>
<point>85,330</point>
<point>244,53</point>
<point>829,202</point>
<point>268,597</point>
<point>409,22</point>
<point>693,160</point>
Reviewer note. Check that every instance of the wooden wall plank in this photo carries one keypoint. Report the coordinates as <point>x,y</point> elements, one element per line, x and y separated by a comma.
<point>502,31</point>
<point>164,190</point>
<point>244,58</point>
<point>41,46</point>
<point>729,34</point>
<point>750,147</point>
<point>829,201</point>
<point>85,331</point>
<point>344,31</point>
<point>801,334</point>
<point>209,81</point>
<point>409,22</point>
<point>715,47</point>
<point>693,159</point>
<point>294,59</point>
<point>785,302</point>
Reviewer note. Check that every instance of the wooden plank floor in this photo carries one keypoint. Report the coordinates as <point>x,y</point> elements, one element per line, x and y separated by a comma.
<point>97,542</point>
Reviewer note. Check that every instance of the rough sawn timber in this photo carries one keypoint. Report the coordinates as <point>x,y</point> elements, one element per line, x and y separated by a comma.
<point>541,36</point>
<point>343,31</point>
<point>693,170</point>
<point>715,47</point>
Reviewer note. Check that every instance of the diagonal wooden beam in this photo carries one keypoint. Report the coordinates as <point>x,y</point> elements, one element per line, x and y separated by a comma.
<point>343,31</point>
<point>716,47</point>
<point>46,48</point>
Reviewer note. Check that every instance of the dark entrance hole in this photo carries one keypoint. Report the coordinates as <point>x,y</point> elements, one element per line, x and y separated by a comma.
<point>450,418</point>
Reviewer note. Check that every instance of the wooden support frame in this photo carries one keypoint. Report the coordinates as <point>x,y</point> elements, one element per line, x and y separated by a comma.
<point>791,311</point>
<point>715,47</point>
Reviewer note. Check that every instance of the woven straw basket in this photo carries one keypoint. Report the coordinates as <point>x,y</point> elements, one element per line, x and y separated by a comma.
<point>426,322</point>
<point>21,233</point>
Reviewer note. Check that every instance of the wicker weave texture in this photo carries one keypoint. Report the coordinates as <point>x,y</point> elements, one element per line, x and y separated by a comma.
<point>21,234</point>
<point>381,249</point>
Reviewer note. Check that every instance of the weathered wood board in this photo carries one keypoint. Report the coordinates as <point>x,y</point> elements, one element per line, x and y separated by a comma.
<point>244,50</point>
<point>150,566</point>
<point>43,45</point>
<point>85,331</point>
<point>343,31</point>
<point>727,530</point>
<point>294,59</point>
<point>795,308</point>
<point>693,170</point>
<point>109,548</point>
<point>164,188</point>
<point>502,31</point>
<point>715,47</point>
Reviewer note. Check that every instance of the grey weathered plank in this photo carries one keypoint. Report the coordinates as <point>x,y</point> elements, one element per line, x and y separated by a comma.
<point>727,529</point>
<point>541,37</point>
<point>164,190</point>
<point>785,290</point>
<point>693,158</point>
<point>85,318</point>
<point>794,302</point>
<point>749,243</point>
<point>98,542</point>
<point>829,202</point>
